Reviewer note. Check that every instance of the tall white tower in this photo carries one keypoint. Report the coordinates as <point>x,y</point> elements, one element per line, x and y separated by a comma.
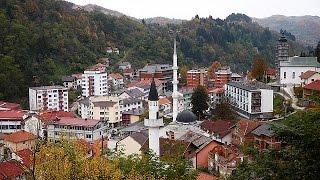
<point>154,122</point>
<point>175,94</point>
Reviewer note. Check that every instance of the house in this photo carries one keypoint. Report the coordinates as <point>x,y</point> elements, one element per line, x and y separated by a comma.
<point>219,130</point>
<point>241,134</point>
<point>223,159</point>
<point>48,98</point>
<point>84,107</point>
<point>310,89</point>
<point>12,170</point>
<point>78,77</point>
<point>128,73</point>
<point>271,73</point>
<point>144,85</point>
<point>105,61</point>
<point>187,94</point>
<point>215,96</point>
<point>13,121</point>
<point>203,144</point>
<point>132,116</point>
<point>294,67</point>
<point>264,137</point>
<point>165,106</point>
<point>125,65</point>
<point>69,82</point>
<point>252,100</point>
<point>95,81</point>
<point>25,157</point>
<point>235,77</point>
<point>132,144</point>
<point>309,76</point>
<point>133,92</point>
<point>20,140</point>
<point>197,77</point>
<point>173,148</point>
<point>7,106</point>
<point>116,80</point>
<point>76,128</point>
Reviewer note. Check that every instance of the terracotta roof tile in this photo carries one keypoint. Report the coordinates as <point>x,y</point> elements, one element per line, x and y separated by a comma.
<point>315,85</point>
<point>220,127</point>
<point>11,169</point>
<point>206,176</point>
<point>20,136</point>
<point>9,106</point>
<point>307,74</point>
<point>164,101</point>
<point>145,83</point>
<point>48,116</point>
<point>12,115</point>
<point>75,122</point>
<point>245,126</point>
<point>26,156</point>
<point>116,75</point>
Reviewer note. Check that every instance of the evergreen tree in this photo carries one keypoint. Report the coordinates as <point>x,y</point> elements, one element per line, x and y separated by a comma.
<point>199,101</point>
<point>317,52</point>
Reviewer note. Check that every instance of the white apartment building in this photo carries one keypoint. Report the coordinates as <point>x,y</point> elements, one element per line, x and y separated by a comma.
<point>294,67</point>
<point>48,98</point>
<point>94,82</point>
<point>252,100</point>
<point>76,128</point>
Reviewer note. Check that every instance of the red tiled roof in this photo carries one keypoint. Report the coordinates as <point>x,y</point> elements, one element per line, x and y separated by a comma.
<point>97,67</point>
<point>217,90</point>
<point>245,126</point>
<point>116,76</point>
<point>25,155</point>
<point>76,122</point>
<point>9,106</point>
<point>12,115</point>
<point>77,75</point>
<point>307,74</point>
<point>48,116</point>
<point>128,70</point>
<point>271,72</point>
<point>10,169</point>
<point>315,85</point>
<point>206,176</point>
<point>220,127</point>
<point>144,83</point>
<point>164,101</point>
<point>20,136</point>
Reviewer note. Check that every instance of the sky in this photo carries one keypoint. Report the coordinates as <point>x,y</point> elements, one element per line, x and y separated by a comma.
<point>186,9</point>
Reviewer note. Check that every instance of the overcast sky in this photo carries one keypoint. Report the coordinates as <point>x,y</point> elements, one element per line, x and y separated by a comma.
<point>186,9</point>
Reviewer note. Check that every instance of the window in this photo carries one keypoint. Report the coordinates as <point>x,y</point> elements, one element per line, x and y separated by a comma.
<point>293,75</point>
<point>88,136</point>
<point>284,75</point>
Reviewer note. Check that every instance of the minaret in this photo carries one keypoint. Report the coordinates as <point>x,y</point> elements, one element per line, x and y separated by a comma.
<point>282,53</point>
<point>175,94</point>
<point>154,122</point>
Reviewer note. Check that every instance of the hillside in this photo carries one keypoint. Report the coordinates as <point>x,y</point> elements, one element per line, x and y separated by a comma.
<point>44,40</point>
<point>163,21</point>
<point>305,28</point>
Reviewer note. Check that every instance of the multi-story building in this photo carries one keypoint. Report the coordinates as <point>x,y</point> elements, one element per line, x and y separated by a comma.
<point>95,81</point>
<point>222,76</point>
<point>76,128</point>
<point>69,82</point>
<point>252,100</point>
<point>48,98</point>
<point>124,65</point>
<point>161,72</point>
<point>116,80</point>
<point>215,96</point>
<point>197,77</point>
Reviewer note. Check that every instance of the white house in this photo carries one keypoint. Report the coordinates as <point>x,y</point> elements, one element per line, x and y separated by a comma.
<point>309,77</point>
<point>132,144</point>
<point>250,99</point>
<point>124,65</point>
<point>69,82</point>
<point>95,81</point>
<point>116,80</point>
<point>291,70</point>
<point>48,98</point>
<point>76,128</point>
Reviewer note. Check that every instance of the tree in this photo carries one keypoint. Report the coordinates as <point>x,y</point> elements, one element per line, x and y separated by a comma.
<point>259,68</point>
<point>223,110</point>
<point>212,69</point>
<point>199,101</point>
<point>317,51</point>
<point>184,74</point>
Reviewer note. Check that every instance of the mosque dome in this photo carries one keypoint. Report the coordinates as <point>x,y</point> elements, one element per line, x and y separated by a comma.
<point>186,117</point>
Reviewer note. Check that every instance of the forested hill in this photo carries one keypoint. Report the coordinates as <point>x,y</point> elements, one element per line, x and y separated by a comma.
<point>40,41</point>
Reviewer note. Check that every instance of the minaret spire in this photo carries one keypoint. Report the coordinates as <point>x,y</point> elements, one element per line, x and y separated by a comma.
<point>154,122</point>
<point>175,82</point>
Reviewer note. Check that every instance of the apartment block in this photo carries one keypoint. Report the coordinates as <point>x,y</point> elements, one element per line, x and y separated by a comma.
<point>197,77</point>
<point>48,98</point>
<point>252,100</point>
<point>222,77</point>
<point>95,81</point>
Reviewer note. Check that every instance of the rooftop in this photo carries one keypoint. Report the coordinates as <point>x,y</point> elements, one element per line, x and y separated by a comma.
<point>68,78</point>
<point>85,101</point>
<point>9,106</point>
<point>145,83</point>
<point>219,127</point>
<point>235,75</point>
<point>130,101</point>
<point>245,126</point>
<point>300,62</point>
<point>104,103</point>
<point>250,85</point>
<point>264,129</point>
<point>136,112</point>
<point>10,169</point>
<point>307,74</point>
<point>164,101</point>
<point>97,67</point>
<point>49,88</point>
<point>134,93</point>
<point>48,116</point>
<point>12,115</point>
<point>25,155</point>
<point>116,76</point>
<point>195,138</point>
<point>139,137</point>
<point>152,68</point>
<point>315,85</point>
<point>69,121</point>
<point>20,136</point>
